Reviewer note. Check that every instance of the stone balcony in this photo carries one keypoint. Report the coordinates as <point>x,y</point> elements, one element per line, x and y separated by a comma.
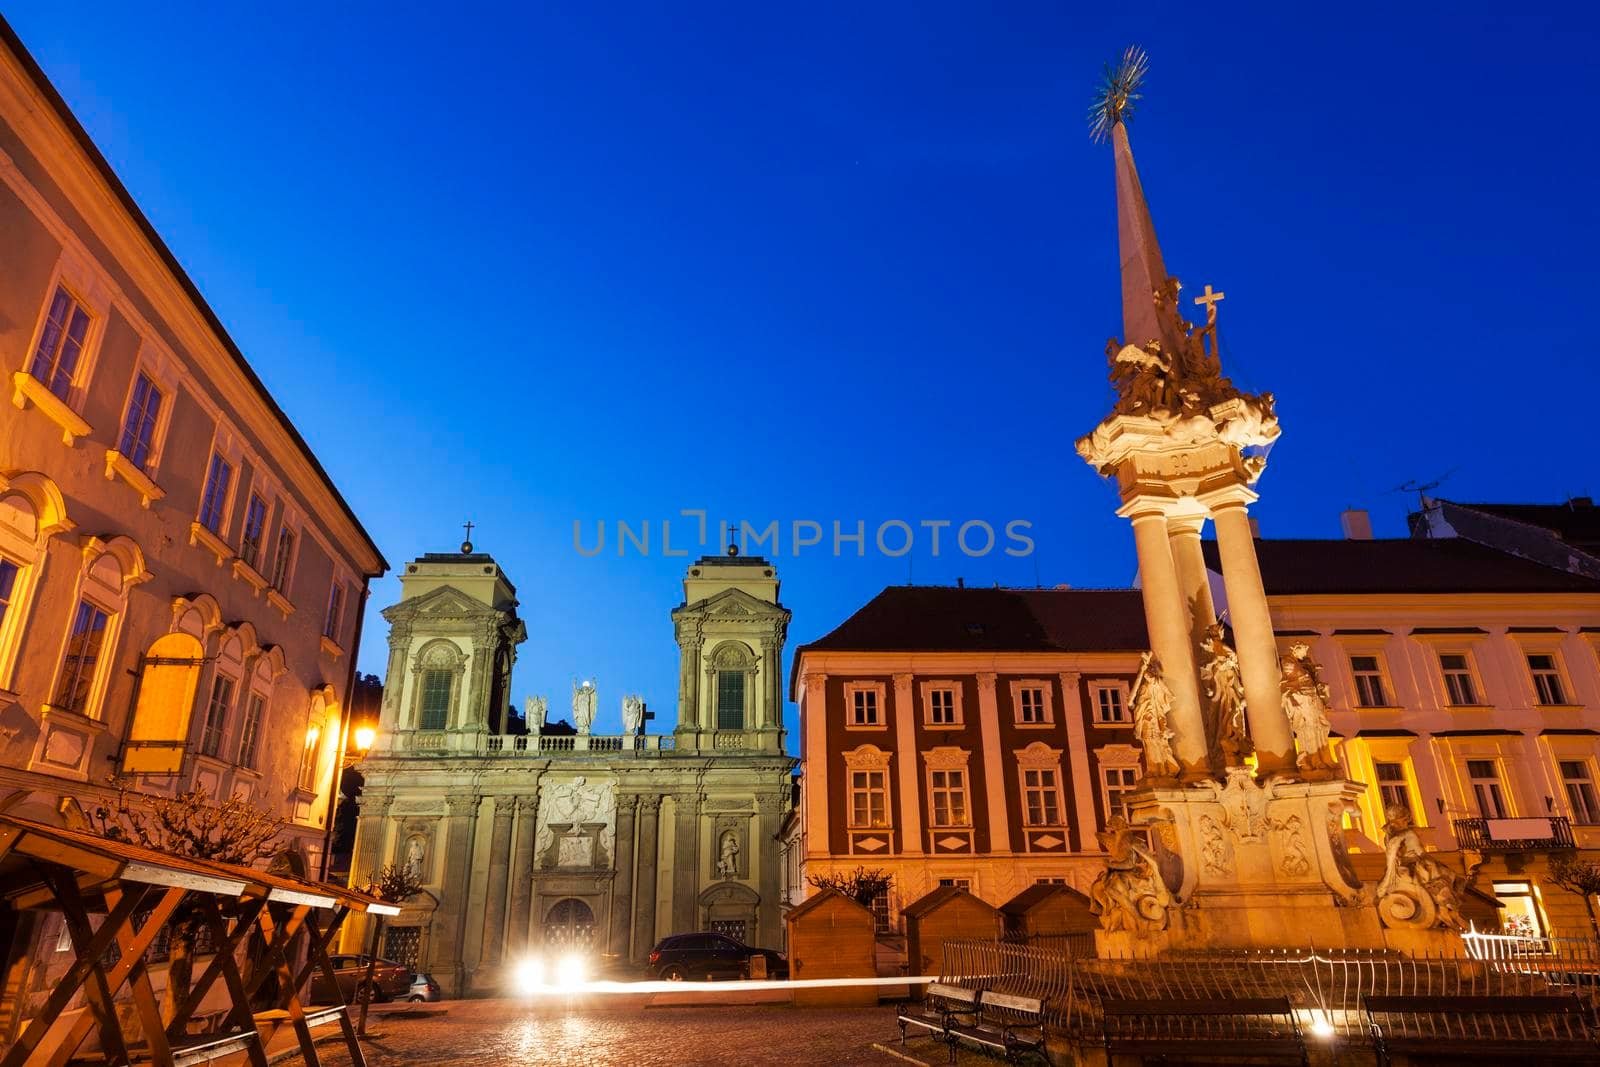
<point>536,746</point>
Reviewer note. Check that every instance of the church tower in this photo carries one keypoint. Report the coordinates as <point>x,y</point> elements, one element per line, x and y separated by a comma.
<point>453,639</point>
<point>731,630</point>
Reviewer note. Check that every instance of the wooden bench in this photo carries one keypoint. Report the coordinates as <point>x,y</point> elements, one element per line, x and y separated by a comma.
<point>203,1048</point>
<point>1546,1027</point>
<point>941,1004</point>
<point>1224,1028</point>
<point>1011,1025</point>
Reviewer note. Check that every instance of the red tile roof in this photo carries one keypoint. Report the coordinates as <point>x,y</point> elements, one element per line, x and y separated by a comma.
<point>1404,565</point>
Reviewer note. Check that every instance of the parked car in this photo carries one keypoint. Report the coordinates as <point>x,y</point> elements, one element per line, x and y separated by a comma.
<point>391,980</point>
<point>424,988</point>
<point>709,956</point>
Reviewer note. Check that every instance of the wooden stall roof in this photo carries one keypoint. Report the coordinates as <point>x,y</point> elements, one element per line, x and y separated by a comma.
<point>106,859</point>
<point>1038,894</point>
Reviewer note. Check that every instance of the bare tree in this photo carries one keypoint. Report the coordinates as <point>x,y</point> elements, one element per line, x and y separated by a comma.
<point>860,885</point>
<point>188,824</point>
<point>395,883</point>
<point>1582,877</point>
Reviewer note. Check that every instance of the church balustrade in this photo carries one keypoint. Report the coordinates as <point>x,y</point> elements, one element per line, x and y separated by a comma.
<point>537,745</point>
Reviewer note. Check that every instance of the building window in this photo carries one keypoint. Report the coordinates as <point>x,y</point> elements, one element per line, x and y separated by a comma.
<point>308,760</point>
<point>1546,678</point>
<point>948,792</point>
<point>1030,704</point>
<point>8,587</point>
<point>879,906</point>
<point>255,519</point>
<point>958,883</point>
<point>1581,797</point>
<point>1520,914</point>
<point>730,700</point>
<point>254,708</point>
<point>435,700</point>
<point>1486,789</point>
<point>281,559</point>
<point>864,707</point>
<point>869,799</point>
<point>1115,784</point>
<point>1110,703</point>
<point>1368,674</point>
<point>216,715</point>
<point>1050,881</point>
<point>61,344</point>
<point>942,707</point>
<point>1393,788</point>
<point>81,659</point>
<point>331,625</point>
<point>1041,797</point>
<point>214,501</point>
<point>1458,684</point>
<point>139,427</point>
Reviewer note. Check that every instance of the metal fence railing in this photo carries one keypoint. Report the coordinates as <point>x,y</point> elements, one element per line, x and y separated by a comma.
<point>1325,986</point>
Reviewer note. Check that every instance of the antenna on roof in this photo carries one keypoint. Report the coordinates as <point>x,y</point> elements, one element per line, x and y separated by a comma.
<point>1423,488</point>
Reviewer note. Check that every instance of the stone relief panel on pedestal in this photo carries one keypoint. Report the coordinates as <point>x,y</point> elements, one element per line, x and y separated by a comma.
<point>577,824</point>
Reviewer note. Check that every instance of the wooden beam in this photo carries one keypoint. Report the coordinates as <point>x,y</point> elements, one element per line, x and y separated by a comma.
<point>319,956</point>
<point>144,996</point>
<point>223,957</point>
<point>69,984</point>
<point>101,1003</point>
<point>241,1017</point>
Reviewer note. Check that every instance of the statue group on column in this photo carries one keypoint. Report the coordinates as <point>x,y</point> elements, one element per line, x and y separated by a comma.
<point>1417,889</point>
<point>1224,689</point>
<point>1152,705</point>
<point>1305,702</point>
<point>1130,893</point>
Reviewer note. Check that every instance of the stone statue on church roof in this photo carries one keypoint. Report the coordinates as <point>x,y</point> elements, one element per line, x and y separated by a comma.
<point>535,710</point>
<point>584,698</point>
<point>632,715</point>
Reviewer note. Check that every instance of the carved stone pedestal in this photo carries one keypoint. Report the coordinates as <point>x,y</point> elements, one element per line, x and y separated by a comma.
<point>1247,865</point>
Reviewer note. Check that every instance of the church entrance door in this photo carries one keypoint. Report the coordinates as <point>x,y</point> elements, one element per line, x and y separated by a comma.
<point>569,924</point>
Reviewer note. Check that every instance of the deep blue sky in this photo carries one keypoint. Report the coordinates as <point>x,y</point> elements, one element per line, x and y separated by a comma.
<point>851,262</point>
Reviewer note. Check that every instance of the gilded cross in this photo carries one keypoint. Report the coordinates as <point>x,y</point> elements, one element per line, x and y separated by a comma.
<point>1209,299</point>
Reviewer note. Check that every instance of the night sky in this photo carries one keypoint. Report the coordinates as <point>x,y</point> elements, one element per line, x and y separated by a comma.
<point>851,262</point>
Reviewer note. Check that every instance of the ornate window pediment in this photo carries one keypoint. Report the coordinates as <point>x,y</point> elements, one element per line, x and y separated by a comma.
<point>1038,754</point>
<point>867,757</point>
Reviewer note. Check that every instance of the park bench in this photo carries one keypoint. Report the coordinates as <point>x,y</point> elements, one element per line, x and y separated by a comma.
<point>941,1004</point>
<point>1224,1028</point>
<point>1005,1022</point>
<point>1543,1028</point>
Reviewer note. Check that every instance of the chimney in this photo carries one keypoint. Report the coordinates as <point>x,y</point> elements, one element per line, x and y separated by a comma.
<point>961,583</point>
<point>1357,524</point>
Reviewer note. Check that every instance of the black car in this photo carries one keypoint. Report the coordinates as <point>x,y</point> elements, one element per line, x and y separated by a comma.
<point>709,956</point>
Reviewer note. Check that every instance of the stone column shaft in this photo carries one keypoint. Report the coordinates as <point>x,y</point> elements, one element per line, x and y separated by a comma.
<point>445,947</point>
<point>906,778</point>
<point>1253,640</point>
<point>995,764</point>
<point>622,884</point>
<point>768,854</point>
<point>646,856</point>
<point>494,910</point>
<point>1183,537</point>
<point>685,861</point>
<point>1167,621</point>
<point>522,871</point>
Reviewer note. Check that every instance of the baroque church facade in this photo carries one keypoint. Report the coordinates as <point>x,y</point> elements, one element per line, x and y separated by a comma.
<point>534,836</point>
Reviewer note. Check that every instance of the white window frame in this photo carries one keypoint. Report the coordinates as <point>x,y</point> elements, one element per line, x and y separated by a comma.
<point>94,585</point>
<point>881,703</point>
<point>1110,685</point>
<point>1046,707</point>
<point>1041,757</point>
<point>1474,679</point>
<point>932,686</point>
<point>944,760</point>
<point>1380,672</point>
<point>868,759</point>
<point>39,495</point>
<point>1502,790</point>
<point>154,363</point>
<point>85,285</point>
<point>1591,778</point>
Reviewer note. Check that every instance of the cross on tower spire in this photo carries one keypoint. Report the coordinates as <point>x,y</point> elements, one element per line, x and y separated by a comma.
<point>466,546</point>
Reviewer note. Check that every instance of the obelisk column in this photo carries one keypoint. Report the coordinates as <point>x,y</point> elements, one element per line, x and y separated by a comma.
<point>522,869</point>
<point>646,857</point>
<point>1167,621</point>
<point>1252,637</point>
<point>494,911</point>
<point>685,860</point>
<point>622,881</point>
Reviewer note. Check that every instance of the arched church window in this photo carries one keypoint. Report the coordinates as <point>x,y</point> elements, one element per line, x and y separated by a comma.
<point>730,700</point>
<point>435,713</point>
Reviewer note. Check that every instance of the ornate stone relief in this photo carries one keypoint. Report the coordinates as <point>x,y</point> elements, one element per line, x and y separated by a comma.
<point>577,824</point>
<point>1129,895</point>
<point>1216,854</point>
<point>1243,801</point>
<point>1417,890</point>
<point>1295,857</point>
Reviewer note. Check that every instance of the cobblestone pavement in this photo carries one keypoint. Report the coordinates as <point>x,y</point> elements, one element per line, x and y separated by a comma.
<point>489,1033</point>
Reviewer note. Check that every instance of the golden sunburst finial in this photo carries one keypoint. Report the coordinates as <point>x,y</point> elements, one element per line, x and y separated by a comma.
<point>1119,88</point>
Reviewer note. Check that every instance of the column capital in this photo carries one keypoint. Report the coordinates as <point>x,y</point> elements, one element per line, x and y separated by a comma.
<point>1230,497</point>
<point>811,678</point>
<point>649,803</point>
<point>772,803</point>
<point>1070,679</point>
<point>462,803</point>
<point>986,680</point>
<point>377,804</point>
<point>626,802</point>
<point>1185,525</point>
<point>504,806</point>
<point>902,680</point>
<point>528,803</point>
